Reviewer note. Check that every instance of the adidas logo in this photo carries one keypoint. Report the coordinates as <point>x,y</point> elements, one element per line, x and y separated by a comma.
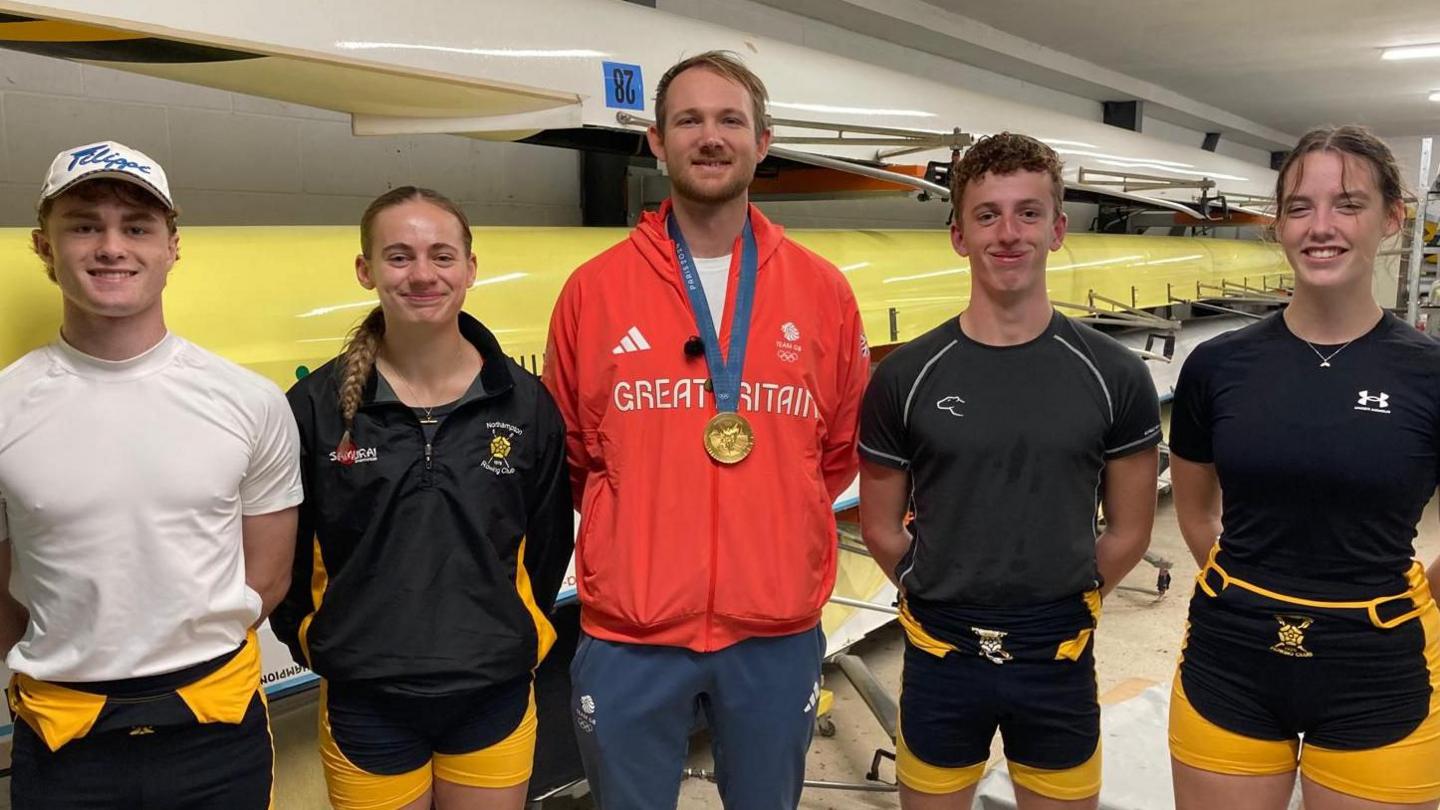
<point>632,342</point>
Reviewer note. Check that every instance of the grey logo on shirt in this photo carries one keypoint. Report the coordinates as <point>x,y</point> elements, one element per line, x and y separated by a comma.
<point>951,404</point>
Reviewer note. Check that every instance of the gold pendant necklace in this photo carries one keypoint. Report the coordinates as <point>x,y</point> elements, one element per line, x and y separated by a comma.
<point>428,418</point>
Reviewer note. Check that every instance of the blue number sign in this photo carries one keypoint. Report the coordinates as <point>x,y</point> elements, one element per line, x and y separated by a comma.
<point>624,86</point>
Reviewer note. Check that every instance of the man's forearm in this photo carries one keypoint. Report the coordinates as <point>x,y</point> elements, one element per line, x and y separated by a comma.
<point>1434,576</point>
<point>271,591</point>
<point>270,555</point>
<point>888,548</point>
<point>1116,554</point>
<point>14,618</point>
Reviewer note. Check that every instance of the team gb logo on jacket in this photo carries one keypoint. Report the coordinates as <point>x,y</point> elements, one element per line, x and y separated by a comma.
<point>788,348</point>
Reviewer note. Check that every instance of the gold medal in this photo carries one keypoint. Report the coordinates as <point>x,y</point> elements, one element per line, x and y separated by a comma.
<point>728,437</point>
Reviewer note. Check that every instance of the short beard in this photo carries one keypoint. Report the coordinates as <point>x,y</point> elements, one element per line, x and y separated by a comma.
<point>681,187</point>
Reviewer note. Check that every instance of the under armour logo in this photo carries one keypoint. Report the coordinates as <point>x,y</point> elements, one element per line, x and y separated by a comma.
<point>992,645</point>
<point>951,404</point>
<point>1379,403</point>
<point>1292,636</point>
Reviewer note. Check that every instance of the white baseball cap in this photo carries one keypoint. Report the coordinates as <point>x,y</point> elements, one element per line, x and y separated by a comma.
<point>105,159</point>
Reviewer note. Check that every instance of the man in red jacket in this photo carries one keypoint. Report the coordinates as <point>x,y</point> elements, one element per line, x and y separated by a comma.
<point>710,373</point>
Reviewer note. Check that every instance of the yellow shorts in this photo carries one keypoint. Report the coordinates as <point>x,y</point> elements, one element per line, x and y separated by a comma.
<point>1405,772</point>
<point>399,753</point>
<point>1068,784</point>
<point>1239,691</point>
<point>1036,687</point>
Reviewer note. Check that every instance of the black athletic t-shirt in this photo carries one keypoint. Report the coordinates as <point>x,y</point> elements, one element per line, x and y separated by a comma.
<point>1005,446</point>
<point>1324,471</point>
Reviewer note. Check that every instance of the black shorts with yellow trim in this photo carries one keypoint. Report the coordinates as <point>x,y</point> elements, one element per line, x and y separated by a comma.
<point>1027,672</point>
<point>199,737</point>
<point>382,750</point>
<point>1359,680</point>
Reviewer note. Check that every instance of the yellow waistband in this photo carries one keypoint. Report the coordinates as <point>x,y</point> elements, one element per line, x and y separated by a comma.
<point>1071,648</point>
<point>1418,593</point>
<point>59,714</point>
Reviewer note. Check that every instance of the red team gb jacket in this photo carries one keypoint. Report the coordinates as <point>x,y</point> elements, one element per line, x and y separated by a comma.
<point>675,548</point>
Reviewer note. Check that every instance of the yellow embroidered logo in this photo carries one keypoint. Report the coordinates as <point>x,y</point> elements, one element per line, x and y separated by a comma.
<point>992,645</point>
<point>1292,636</point>
<point>503,437</point>
<point>136,731</point>
<point>499,447</point>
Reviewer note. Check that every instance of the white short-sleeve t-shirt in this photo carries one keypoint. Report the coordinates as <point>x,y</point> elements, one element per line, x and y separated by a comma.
<point>122,486</point>
<point>715,280</point>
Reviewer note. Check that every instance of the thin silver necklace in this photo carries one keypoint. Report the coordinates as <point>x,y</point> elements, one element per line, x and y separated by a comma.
<point>428,418</point>
<point>1326,358</point>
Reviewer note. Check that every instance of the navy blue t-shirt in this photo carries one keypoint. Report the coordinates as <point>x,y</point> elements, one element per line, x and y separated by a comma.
<point>1324,472</point>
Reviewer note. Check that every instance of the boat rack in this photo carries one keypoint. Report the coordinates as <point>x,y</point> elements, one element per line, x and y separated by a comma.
<point>901,141</point>
<point>1132,181</point>
<point>1235,295</point>
<point>1127,316</point>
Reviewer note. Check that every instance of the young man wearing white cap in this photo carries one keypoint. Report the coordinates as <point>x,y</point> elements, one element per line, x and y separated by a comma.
<point>147,503</point>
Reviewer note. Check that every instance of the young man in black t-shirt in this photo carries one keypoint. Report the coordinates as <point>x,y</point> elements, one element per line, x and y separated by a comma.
<point>1006,428</point>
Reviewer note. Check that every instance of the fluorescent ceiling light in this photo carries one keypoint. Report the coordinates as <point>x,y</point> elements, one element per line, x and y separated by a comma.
<point>1186,258</point>
<point>1431,51</point>
<point>1435,96</point>
<point>480,282</point>
<point>370,302</point>
<point>952,271</point>
<point>1097,262</point>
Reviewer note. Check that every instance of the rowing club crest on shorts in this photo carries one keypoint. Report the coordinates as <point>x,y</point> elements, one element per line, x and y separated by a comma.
<point>1292,636</point>
<point>992,645</point>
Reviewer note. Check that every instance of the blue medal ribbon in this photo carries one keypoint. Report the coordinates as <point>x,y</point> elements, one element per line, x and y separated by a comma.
<point>724,372</point>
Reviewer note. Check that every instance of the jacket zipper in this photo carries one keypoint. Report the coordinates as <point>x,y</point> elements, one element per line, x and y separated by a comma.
<point>427,480</point>
<point>714,550</point>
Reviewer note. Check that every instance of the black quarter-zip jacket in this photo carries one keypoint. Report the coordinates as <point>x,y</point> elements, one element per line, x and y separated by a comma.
<point>428,568</point>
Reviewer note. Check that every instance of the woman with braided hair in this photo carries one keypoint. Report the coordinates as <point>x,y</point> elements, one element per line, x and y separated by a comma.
<point>436,529</point>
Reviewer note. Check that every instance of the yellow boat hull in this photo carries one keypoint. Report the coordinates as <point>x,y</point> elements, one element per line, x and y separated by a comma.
<point>279,298</point>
